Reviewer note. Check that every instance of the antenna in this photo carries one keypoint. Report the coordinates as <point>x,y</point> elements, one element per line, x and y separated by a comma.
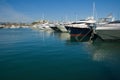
<point>93,9</point>
<point>66,18</point>
<point>118,15</point>
<point>43,16</point>
<point>76,17</point>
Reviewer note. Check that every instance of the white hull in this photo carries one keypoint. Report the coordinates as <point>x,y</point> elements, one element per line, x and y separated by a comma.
<point>109,32</point>
<point>62,28</point>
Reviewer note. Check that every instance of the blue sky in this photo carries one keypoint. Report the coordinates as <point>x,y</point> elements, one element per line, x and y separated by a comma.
<point>55,10</point>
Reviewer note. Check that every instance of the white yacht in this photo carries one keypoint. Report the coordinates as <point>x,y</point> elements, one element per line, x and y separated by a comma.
<point>81,30</point>
<point>54,27</point>
<point>46,26</point>
<point>109,30</point>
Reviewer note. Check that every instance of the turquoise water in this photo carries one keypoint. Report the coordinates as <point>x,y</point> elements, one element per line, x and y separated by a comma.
<point>27,54</point>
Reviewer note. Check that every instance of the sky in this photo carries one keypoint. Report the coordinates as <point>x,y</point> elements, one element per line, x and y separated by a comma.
<point>55,10</point>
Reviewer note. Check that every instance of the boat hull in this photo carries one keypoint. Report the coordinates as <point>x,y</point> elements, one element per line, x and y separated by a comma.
<point>55,29</point>
<point>109,34</point>
<point>80,34</point>
<point>109,31</point>
<point>62,28</point>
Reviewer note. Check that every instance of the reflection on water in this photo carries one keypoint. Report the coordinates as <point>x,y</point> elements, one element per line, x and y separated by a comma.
<point>109,54</point>
<point>100,51</point>
<point>45,55</point>
<point>106,53</point>
<point>104,50</point>
<point>80,38</point>
<point>64,36</point>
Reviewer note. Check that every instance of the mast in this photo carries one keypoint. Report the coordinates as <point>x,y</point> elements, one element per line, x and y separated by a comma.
<point>93,10</point>
<point>76,17</point>
<point>43,16</point>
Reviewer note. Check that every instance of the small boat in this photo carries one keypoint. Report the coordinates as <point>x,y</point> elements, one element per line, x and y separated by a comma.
<point>1,26</point>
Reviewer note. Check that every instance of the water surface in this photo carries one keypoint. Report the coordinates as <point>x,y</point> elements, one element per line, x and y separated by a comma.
<point>27,54</point>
